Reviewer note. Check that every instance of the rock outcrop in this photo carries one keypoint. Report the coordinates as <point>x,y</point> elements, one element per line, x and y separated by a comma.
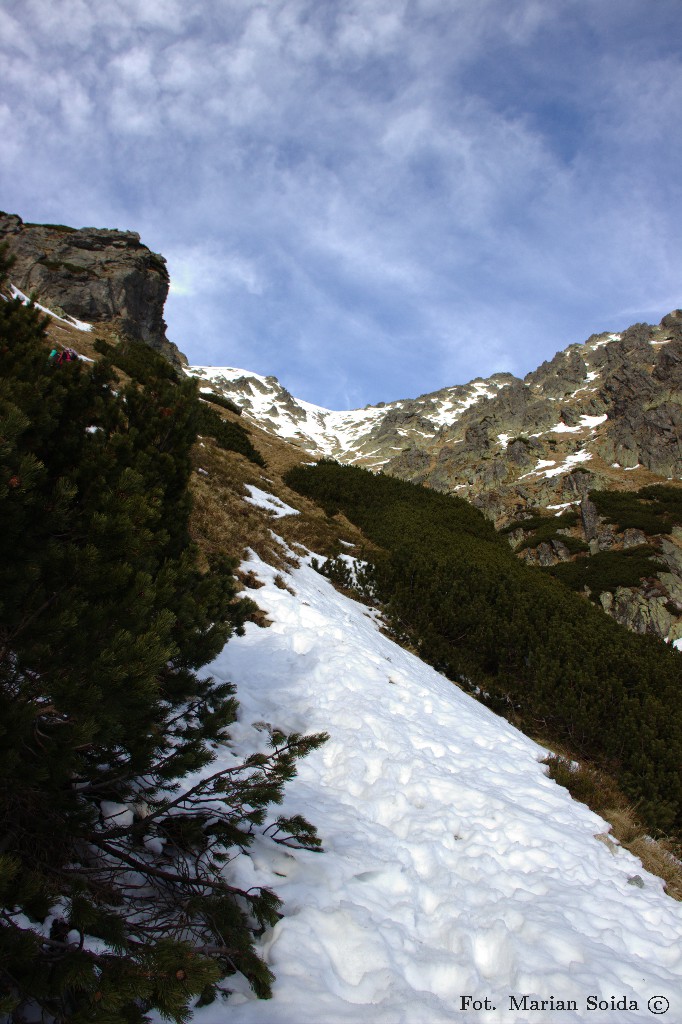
<point>611,405</point>
<point>95,275</point>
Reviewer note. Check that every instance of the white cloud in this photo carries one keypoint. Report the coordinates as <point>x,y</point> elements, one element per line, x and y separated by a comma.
<point>366,28</point>
<point>381,176</point>
<point>14,35</point>
<point>199,270</point>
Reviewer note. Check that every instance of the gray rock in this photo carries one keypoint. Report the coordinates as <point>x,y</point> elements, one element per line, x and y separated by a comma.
<point>642,610</point>
<point>95,275</point>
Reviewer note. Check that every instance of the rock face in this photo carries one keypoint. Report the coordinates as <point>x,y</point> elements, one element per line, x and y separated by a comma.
<point>95,275</point>
<point>609,406</point>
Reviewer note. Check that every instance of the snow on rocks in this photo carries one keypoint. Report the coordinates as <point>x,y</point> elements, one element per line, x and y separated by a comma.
<point>566,466</point>
<point>336,433</point>
<point>70,321</point>
<point>453,867</point>
<point>590,422</point>
<point>562,506</point>
<point>603,340</point>
<point>570,461</point>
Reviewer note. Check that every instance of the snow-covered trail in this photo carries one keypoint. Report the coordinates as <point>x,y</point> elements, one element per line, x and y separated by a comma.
<point>453,867</point>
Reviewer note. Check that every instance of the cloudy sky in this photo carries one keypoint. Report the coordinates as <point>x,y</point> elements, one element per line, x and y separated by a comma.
<point>369,199</point>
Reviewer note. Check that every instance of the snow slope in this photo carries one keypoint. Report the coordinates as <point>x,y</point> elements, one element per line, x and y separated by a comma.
<point>453,867</point>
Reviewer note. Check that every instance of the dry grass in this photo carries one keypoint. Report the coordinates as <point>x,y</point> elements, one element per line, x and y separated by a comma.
<point>282,584</point>
<point>222,522</point>
<point>60,335</point>
<point>661,858</point>
<point>249,580</point>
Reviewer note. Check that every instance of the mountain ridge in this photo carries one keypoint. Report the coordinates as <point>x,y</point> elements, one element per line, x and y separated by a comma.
<point>341,433</point>
<point>419,428</point>
<point>599,416</point>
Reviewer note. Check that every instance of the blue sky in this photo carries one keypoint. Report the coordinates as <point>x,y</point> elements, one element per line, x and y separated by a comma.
<point>369,199</point>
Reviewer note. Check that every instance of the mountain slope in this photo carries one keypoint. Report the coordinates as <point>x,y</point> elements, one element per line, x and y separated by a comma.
<point>603,416</point>
<point>452,867</point>
<point>613,402</point>
<point>606,415</point>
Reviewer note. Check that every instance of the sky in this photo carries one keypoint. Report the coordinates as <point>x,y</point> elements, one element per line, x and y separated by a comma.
<point>369,199</point>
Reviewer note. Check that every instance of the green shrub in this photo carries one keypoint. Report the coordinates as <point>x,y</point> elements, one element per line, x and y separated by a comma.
<point>654,510</point>
<point>228,435</point>
<point>105,617</point>
<point>221,400</point>
<point>144,364</point>
<point>608,570</point>
<point>543,529</point>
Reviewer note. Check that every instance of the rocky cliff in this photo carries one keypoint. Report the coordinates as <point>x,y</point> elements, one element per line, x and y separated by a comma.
<point>94,275</point>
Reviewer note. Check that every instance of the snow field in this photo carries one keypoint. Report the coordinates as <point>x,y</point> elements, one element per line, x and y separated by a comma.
<point>453,866</point>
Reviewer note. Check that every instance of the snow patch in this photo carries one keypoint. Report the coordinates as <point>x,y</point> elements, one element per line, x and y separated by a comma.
<point>605,341</point>
<point>585,422</point>
<point>565,467</point>
<point>569,463</point>
<point>564,505</point>
<point>270,502</point>
<point>116,815</point>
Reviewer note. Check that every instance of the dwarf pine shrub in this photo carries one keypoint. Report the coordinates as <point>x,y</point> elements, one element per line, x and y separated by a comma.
<point>114,898</point>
